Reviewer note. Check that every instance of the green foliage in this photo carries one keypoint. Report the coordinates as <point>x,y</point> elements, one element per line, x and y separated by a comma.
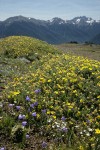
<point>6,124</point>
<point>18,133</point>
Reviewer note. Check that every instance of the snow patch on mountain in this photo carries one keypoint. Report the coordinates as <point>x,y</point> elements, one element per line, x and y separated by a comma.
<point>98,21</point>
<point>90,21</point>
<point>78,20</point>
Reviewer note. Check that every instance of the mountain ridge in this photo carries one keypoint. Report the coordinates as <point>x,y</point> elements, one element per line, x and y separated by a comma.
<point>53,20</point>
<point>54,31</point>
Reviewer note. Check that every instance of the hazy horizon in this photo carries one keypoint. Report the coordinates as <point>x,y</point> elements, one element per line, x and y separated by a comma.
<point>48,9</point>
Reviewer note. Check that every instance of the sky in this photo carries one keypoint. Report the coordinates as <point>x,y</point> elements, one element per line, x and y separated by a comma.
<point>48,9</point>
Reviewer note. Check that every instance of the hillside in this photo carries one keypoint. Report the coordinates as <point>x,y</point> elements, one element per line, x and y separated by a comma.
<point>21,46</point>
<point>96,39</point>
<point>55,31</point>
<point>49,101</point>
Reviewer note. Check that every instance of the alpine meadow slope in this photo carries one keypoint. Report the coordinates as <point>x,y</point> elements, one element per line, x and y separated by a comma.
<point>49,101</point>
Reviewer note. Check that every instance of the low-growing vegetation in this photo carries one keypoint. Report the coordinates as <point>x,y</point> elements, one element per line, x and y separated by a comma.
<point>27,47</point>
<point>49,102</point>
<point>88,50</point>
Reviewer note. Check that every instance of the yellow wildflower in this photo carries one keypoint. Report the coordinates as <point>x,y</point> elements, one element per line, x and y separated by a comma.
<point>81,148</point>
<point>97,131</point>
<point>54,117</point>
<point>49,80</point>
<point>56,92</point>
<point>81,100</point>
<point>48,112</point>
<point>38,115</point>
<point>52,112</point>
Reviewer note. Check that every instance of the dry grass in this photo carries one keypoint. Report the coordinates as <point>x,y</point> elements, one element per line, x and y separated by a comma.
<point>89,51</point>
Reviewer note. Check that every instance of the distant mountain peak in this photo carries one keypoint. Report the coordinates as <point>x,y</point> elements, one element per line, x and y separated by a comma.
<point>82,20</point>
<point>16,18</point>
<point>56,20</point>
